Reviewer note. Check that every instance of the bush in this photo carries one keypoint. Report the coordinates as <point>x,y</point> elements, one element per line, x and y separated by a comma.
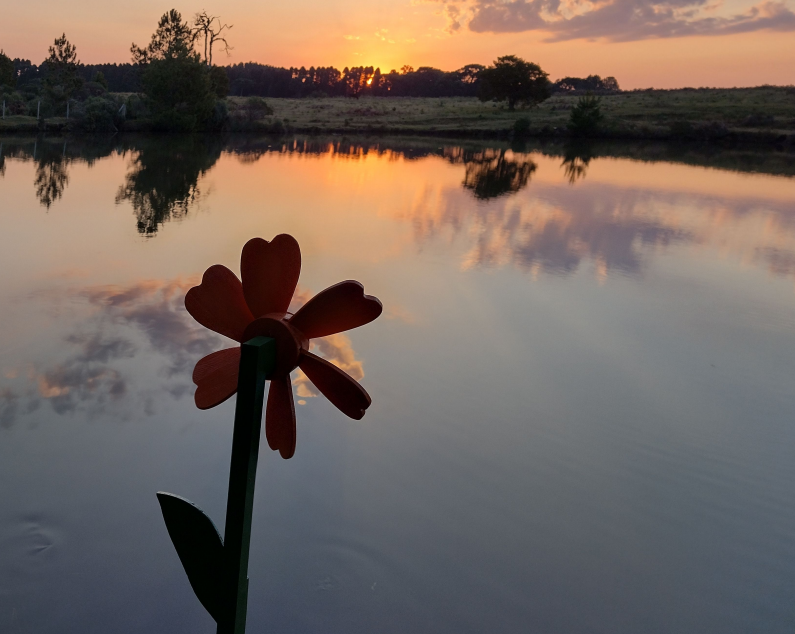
<point>682,130</point>
<point>586,116</point>
<point>220,115</point>
<point>96,115</point>
<point>521,127</point>
<point>136,107</point>
<point>179,93</point>
<point>219,81</point>
<point>277,127</point>
<point>256,108</point>
<point>92,89</point>
<point>16,104</point>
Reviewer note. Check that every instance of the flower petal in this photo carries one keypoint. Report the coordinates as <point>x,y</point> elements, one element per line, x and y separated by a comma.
<point>218,303</point>
<point>280,417</point>
<point>339,388</point>
<point>215,377</point>
<point>270,273</point>
<point>338,308</point>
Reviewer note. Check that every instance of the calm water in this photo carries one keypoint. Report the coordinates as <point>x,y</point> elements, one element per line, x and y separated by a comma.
<point>583,386</point>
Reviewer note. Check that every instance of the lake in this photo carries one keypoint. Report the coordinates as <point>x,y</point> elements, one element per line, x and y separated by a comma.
<point>583,414</point>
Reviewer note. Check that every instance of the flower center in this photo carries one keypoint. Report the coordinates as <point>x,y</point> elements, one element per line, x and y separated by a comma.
<point>290,342</point>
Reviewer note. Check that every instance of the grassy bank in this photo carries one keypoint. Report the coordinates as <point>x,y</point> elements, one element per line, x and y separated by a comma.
<point>30,125</point>
<point>761,115</point>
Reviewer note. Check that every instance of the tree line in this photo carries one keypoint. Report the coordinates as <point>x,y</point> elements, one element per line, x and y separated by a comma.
<point>263,80</point>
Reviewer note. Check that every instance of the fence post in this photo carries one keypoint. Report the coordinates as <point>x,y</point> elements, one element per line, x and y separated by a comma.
<point>38,110</point>
<point>67,108</point>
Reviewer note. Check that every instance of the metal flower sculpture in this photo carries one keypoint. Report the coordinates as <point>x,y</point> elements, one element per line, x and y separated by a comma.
<point>273,343</point>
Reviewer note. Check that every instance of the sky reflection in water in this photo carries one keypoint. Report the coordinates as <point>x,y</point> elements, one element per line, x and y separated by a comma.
<point>582,386</point>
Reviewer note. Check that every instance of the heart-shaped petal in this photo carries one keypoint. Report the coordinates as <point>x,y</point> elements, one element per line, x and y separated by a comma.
<point>215,377</point>
<point>218,303</point>
<point>336,309</point>
<point>280,417</point>
<point>270,273</point>
<point>344,392</point>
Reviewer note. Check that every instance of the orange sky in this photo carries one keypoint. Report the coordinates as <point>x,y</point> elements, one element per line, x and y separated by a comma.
<point>665,44</point>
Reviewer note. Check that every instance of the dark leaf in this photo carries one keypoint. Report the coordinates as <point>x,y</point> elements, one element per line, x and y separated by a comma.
<point>199,546</point>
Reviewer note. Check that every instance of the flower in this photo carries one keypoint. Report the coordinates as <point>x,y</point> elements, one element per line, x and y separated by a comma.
<point>257,306</point>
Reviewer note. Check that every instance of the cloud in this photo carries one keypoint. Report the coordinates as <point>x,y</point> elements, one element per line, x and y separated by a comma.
<point>614,20</point>
<point>351,37</point>
<point>146,320</point>
<point>9,404</point>
<point>338,350</point>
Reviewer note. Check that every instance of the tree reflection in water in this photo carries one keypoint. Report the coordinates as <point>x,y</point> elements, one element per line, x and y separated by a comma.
<point>576,158</point>
<point>163,179</point>
<point>51,173</point>
<point>491,173</point>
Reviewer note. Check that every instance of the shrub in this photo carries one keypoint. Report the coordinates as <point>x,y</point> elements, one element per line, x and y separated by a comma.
<point>96,115</point>
<point>92,89</point>
<point>219,81</point>
<point>521,127</point>
<point>682,130</point>
<point>179,92</point>
<point>256,108</point>
<point>16,104</point>
<point>220,115</point>
<point>136,107</point>
<point>586,116</point>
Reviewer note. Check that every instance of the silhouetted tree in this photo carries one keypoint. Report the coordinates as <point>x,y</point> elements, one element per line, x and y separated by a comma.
<point>204,26</point>
<point>514,80</point>
<point>7,74</point>
<point>269,81</point>
<point>592,83</point>
<point>62,78</point>
<point>172,38</point>
<point>470,74</point>
<point>175,81</point>
<point>26,72</point>
<point>99,78</point>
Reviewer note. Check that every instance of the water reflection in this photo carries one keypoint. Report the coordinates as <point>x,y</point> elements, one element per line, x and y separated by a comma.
<point>145,321</point>
<point>524,217</point>
<point>52,158</point>
<point>576,157</point>
<point>162,182</point>
<point>614,412</point>
<point>51,174</point>
<point>117,324</point>
<point>494,173</point>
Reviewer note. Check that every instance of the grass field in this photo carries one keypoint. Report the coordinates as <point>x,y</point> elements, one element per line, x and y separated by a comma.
<point>764,114</point>
<point>766,111</point>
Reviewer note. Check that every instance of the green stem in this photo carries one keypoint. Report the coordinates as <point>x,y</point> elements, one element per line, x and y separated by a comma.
<point>257,360</point>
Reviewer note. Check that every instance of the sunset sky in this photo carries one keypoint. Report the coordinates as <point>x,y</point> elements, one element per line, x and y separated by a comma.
<point>643,43</point>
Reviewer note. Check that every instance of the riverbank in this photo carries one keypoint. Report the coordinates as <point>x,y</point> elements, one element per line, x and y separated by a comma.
<point>756,115</point>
